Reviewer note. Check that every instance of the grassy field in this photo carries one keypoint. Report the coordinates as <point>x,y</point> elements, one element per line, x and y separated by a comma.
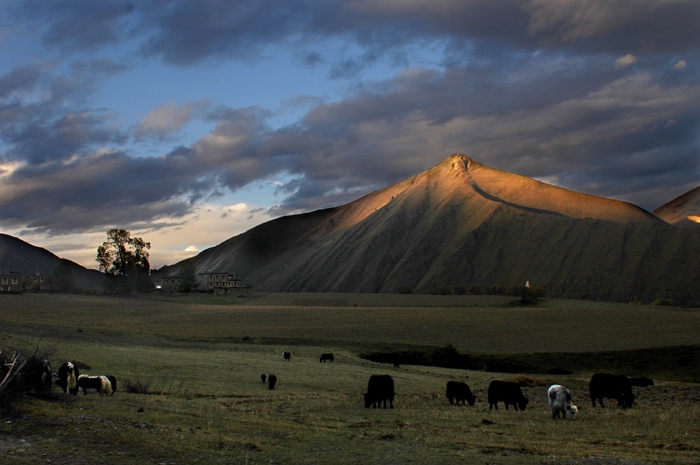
<point>202,357</point>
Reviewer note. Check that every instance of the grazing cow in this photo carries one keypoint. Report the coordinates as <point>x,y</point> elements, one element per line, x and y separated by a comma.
<point>99,383</point>
<point>113,382</point>
<point>459,391</point>
<point>560,402</point>
<point>612,386</point>
<point>509,393</point>
<point>287,356</point>
<point>271,381</point>
<point>263,378</point>
<point>380,388</point>
<point>326,358</point>
<point>68,375</point>
<point>642,381</point>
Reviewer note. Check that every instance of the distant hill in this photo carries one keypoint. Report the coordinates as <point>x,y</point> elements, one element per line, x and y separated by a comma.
<point>463,223</point>
<point>683,211</point>
<point>18,255</point>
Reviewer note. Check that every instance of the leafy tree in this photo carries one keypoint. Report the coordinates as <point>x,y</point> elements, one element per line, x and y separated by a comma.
<point>62,278</point>
<point>188,275</point>
<point>125,257</point>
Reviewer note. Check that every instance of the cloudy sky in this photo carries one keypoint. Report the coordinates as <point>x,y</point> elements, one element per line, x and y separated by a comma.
<point>190,122</point>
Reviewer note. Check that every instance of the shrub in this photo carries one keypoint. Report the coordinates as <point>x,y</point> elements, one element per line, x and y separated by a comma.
<point>528,294</point>
<point>165,385</point>
<point>403,289</point>
<point>496,289</point>
<point>447,356</point>
<point>20,375</point>
<point>445,290</point>
<point>460,290</point>
<point>474,290</point>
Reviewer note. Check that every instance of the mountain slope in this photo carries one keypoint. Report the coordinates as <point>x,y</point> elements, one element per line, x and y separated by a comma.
<point>18,255</point>
<point>463,223</point>
<point>683,211</point>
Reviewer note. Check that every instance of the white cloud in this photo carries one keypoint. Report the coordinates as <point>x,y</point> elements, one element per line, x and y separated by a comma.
<point>625,61</point>
<point>208,226</point>
<point>169,118</point>
<point>680,65</point>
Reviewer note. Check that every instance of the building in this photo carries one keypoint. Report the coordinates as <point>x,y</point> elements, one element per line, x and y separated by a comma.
<point>167,284</point>
<point>11,282</point>
<point>37,282</point>
<point>220,283</point>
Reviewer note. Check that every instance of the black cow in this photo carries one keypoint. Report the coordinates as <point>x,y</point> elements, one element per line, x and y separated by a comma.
<point>271,381</point>
<point>509,393</point>
<point>37,376</point>
<point>326,358</point>
<point>642,381</point>
<point>380,388</point>
<point>68,375</point>
<point>616,387</point>
<point>287,355</point>
<point>456,390</point>
<point>263,378</point>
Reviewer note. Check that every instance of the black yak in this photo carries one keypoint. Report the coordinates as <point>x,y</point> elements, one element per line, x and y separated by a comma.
<point>380,388</point>
<point>616,387</point>
<point>458,391</point>
<point>508,392</point>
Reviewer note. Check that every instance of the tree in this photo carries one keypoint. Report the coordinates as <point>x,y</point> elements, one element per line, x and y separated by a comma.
<point>188,275</point>
<point>62,279</point>
<point>126,258</point>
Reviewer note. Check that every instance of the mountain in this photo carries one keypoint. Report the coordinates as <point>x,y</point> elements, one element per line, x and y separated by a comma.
<point>17,255</point>
<point>464,223</point>
<point>683,211</point>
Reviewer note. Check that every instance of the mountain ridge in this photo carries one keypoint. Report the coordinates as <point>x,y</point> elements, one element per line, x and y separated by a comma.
<point>464,223</point>
<point>20,256</point>
<point>458,223</point>
<point>683,211</point>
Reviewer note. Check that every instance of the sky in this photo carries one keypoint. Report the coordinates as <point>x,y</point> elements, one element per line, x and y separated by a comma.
<point>188,123</point>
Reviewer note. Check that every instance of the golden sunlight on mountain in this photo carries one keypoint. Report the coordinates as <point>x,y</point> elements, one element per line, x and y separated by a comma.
<point>683,211</point>
<point>461,223</point>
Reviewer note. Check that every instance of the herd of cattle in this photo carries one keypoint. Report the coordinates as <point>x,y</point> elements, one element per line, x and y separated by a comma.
<point>380,389</point>
<point>72,382</point>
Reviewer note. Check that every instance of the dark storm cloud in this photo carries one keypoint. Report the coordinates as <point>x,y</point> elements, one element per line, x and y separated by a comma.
<point>185,32</point>
<point>42,113</point>
<point>68,135</point>
<point>104,188</point>
<point>597,96</point>
<point>620,26</point>
<point>82,25</point>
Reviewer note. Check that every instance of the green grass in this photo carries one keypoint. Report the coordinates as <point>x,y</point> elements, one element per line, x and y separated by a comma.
<point>212,407</point>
